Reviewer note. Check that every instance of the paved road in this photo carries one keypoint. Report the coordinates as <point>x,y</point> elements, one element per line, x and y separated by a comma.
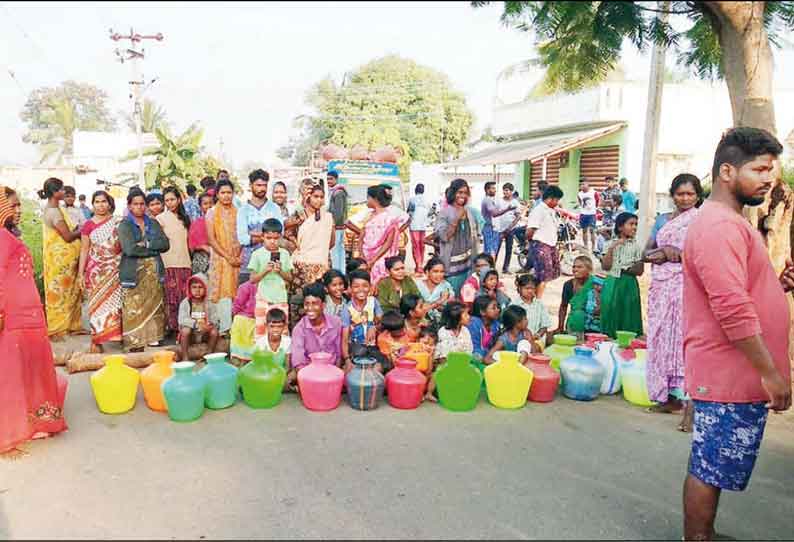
<point>560,470</point>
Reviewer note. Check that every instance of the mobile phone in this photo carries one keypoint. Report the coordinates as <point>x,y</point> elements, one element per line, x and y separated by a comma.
<point>275,256</point>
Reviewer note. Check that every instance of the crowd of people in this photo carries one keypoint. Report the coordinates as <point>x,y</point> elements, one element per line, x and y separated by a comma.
<point>207,266</point>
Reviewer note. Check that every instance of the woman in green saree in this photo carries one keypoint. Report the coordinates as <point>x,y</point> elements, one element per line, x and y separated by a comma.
<point>575,294</point>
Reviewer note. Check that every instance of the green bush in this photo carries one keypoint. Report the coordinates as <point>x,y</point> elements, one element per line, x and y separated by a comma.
<point>32,236</point>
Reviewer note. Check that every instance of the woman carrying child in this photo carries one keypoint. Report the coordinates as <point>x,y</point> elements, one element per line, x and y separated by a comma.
<point>453,336</point>
<point>471,288</point>
<point>392,288</point>
<point>621,307</point>
<point>380,233</point>
<point>434,289</point>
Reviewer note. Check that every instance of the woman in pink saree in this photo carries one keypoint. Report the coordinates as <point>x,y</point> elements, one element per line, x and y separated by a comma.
<point>31,395</point>
<point>665,361</point>
<point>380,236</point>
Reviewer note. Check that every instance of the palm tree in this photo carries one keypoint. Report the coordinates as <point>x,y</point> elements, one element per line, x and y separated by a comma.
<point>153,116</point>
<point>56,139</point>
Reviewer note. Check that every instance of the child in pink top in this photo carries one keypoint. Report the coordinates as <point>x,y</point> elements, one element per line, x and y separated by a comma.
<point>242,336</point>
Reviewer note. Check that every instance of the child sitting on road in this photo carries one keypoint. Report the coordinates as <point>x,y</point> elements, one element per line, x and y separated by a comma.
<point>276,340</point>
<point>484,325</point>
<point>470,289</point>
<point>393,340</point>
<point>360,316</point>
<point>452,337</point>
<point>335,286</point>
<point>242,336</point>
<point>514,331</point>
<point>538,319</point>
<point>413,309</point>
<point>198,317</point>
<point>314,332</point>
<point>271,270</point>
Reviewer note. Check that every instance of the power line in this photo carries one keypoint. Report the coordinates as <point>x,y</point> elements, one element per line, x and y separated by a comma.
<point>42,54</point>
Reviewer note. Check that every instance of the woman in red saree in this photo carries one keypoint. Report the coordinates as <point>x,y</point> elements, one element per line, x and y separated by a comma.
<point>31,396</point>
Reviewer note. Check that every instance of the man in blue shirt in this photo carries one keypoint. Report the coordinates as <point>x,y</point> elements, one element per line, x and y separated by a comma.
<point>251,216</point>
<point>629,197</point>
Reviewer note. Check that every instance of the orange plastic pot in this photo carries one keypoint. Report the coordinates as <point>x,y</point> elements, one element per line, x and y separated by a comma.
<point>152,379</point>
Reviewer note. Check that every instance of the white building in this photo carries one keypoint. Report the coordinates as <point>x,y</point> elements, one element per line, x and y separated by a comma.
<point>98,156</point>
<point>597,132</point>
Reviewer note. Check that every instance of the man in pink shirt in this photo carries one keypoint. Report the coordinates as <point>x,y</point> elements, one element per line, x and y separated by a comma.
<point>736,319</point>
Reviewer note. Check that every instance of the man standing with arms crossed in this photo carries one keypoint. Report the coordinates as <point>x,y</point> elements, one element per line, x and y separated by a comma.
<point>737,322</point>
<point>337,206</point>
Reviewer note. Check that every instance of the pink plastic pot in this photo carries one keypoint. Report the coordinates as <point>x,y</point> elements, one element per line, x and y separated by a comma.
<point>405,385</point>
<point>320,383</point>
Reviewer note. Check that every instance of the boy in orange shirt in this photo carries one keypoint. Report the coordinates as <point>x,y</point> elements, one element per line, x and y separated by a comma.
<point>392,341</point>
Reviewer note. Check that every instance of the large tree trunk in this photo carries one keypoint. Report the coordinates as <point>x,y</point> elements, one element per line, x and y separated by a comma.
<point>748,68</point>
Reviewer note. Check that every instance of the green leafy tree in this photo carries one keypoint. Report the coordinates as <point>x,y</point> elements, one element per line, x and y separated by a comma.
<point>53,114</point>
<point>152,116</point>
<point>581,42</point>
<point>388,101</point>
<point>178,160</point>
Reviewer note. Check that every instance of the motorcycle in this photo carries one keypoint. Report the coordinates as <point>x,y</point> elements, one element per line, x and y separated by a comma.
<point>567,246</point>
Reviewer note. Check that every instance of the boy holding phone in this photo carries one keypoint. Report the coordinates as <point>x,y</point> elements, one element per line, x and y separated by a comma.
<point>271,270</point>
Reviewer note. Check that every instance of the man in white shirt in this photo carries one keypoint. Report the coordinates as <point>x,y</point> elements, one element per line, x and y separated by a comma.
<point>542,227</point>
<point>587,214</point>
<point>506,224</point>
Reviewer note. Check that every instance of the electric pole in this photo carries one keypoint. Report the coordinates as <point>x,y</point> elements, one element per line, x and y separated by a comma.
<point>652,122</point>
<point>137,84</point>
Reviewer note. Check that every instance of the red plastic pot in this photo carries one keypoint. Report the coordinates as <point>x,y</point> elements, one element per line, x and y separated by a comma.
<point>545,380</point>
<point>405,385</point>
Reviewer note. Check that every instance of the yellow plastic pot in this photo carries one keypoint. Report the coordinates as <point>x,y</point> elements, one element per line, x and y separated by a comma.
<point>115,386</point>
<point>507,382</point>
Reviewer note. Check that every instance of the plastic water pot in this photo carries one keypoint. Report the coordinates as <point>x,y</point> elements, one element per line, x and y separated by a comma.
<point>184,393</point>
<point>581,375</point>
<point>405,385</point>
<point>608,355</point>
<point>507,382</point>
<point>320,383</point>
<point>262,379</point>
<point>544,379</point>
<point>220,377</point>
<point>152,379</point>
<point>458,383</point>
<point>625,338</point>
<point>635,387</point>
<point>364,384</point>
<point>115,386</point>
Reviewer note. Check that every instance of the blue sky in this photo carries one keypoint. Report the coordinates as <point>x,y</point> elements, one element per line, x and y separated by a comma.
<point>240,68</point>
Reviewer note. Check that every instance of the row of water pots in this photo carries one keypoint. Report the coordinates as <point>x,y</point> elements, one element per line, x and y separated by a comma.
<point>175,387</point>
<point>601,366</point>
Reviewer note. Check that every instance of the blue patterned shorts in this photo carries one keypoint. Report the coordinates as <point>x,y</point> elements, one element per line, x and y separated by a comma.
<point>490,239</point>
<point>726,438</point>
